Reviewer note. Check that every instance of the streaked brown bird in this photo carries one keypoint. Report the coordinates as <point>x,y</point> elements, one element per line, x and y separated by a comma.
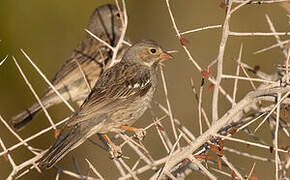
<point>92,56</point>
<point>120,97</point>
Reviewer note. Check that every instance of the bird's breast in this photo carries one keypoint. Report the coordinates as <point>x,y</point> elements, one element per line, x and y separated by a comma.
<point>129,114</point>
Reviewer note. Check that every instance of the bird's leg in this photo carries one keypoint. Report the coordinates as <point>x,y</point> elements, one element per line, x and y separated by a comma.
<point>115,151</point>
<point>139,132</point>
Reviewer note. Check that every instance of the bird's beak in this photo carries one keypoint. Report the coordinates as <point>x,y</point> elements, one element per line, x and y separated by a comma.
<point>165,56</point>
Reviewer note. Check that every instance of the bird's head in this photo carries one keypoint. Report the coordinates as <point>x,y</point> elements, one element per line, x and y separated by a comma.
<point>106,21</point>
<point>147,52</point>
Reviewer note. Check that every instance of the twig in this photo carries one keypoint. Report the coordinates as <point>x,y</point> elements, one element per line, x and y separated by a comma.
<point>3,60</point>
<point>169,156</point>
<point>250,143</point>
<point>184,129</point>
<point>32,137</point>
<point>287,66</point>
<point>259,34</point>
<point>278,104</point>
<point>230,165</point>
<point>252,170</point>
<point>132,144</point>
<point>261,2</point>
<point>144,168</point>
<point>84,75</point>
<point>128,169</point>
<point>34,93</point>
<point>272,28</point>
<point>276,138</point>
<point>201,29</point>
<point>94,170</point>
<point>17,136</point>
<point>248,155</point>
<point>271,47</point>
<point>123,33</point>
<point>8,155</point>
<point>225,76</point>
<point>199,109</point>
<point>237,74</point>
<point>47,81</point>
<point>202,109</point>
<point>222,172</point>
<point>164,142</point>
<point>119,167</point>
<point>74,175</point>
<point>240,5</point>
<point>206,171</point>
<point>225,35</point>
<point>99,39</point>
<point>250,122</point>
<point>168,104</point>
<point>248,76</point>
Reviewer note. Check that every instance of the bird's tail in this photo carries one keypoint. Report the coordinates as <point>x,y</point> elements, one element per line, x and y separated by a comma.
<point>62,146</point>
<point>20,121</point>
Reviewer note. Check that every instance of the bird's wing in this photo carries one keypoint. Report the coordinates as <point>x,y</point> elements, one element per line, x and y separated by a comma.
<point>116,88</point>
<point>89,51</point>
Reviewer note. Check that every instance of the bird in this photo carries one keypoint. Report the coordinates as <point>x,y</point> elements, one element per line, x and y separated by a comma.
<point>119,98</point>
<point>91,55</point>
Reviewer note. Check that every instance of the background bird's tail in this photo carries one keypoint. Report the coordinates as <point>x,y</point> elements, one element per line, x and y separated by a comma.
<point>62,146</point>
<point>20,121</point>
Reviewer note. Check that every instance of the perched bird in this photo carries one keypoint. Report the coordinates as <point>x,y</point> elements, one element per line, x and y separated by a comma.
<point>120,97</point>
<point>92,56</point>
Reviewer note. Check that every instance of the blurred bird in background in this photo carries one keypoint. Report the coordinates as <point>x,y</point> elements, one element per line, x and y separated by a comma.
<point>91,56</point>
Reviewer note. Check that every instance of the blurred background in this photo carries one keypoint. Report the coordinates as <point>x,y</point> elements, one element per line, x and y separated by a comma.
<point>49,31</point>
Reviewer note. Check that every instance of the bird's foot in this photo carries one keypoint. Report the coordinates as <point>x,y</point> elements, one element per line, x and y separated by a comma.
<point>140,133</point>
<point>115,151</point>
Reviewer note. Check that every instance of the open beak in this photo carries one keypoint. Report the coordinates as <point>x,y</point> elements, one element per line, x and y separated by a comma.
<point>165,56</point>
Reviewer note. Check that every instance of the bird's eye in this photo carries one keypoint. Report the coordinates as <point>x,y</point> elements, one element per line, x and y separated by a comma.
<point>153,51</point>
